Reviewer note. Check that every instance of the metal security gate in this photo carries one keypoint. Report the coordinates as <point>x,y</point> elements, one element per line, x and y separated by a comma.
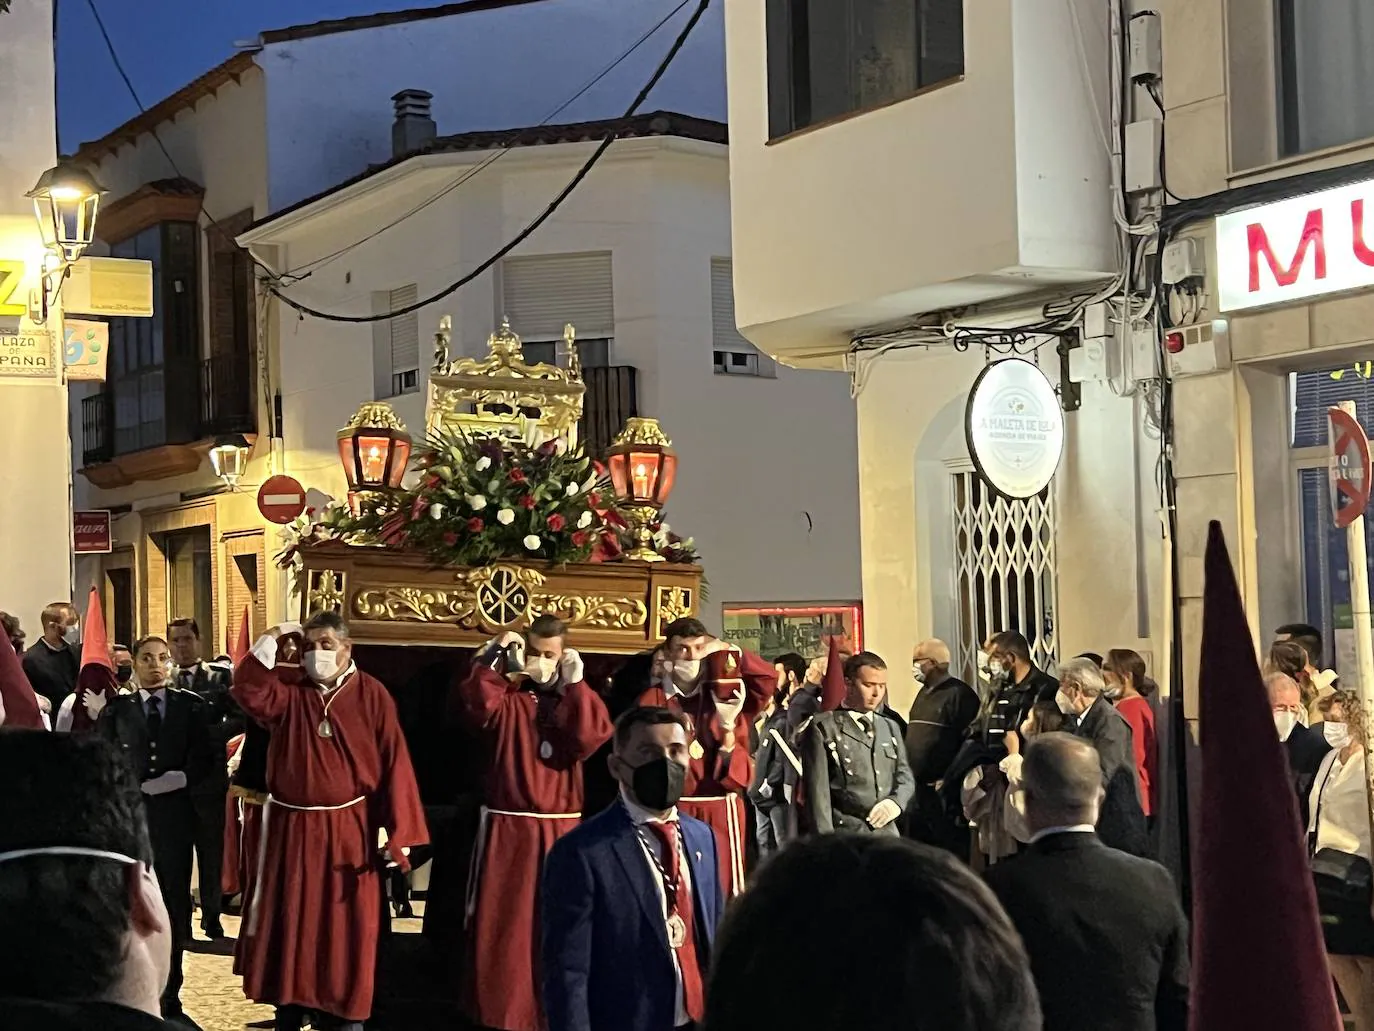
<point>1004,561</point>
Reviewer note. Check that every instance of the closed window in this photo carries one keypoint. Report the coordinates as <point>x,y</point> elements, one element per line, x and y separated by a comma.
<point>542,293</point>
<point>1326,61</point>
<point>831,58</point>
<point>731,354</point>
<point>396,343</point>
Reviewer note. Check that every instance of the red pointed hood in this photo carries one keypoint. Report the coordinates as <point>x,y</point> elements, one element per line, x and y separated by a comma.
<point>21,704</point>
<point>832,687</point>
<point>240,648</point>
<point>95,642</point>
<point>97,674</point>
<point>1254,907</point>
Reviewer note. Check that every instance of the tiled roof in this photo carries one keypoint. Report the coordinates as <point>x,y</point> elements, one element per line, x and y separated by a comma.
<point>657,123</point>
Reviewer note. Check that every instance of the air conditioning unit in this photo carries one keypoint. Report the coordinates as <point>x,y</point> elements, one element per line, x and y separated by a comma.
<point>1197,350</point>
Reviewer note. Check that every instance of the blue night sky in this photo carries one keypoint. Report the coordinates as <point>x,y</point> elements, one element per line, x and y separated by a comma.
<point>163,45</point>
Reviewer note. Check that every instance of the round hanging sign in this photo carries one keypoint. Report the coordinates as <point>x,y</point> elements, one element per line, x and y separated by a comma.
<point>1015,428</point>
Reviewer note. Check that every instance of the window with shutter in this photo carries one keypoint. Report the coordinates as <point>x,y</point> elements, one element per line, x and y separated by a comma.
<point>1316,390</point>
<point>396,343</point>
<point>731,355</point>
<point>542,293</point>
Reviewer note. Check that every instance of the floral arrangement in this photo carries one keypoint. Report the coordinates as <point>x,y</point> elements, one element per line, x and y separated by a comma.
<point>483,498</point>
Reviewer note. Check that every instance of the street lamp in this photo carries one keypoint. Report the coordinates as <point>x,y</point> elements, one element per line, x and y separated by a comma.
<point>643,467</point>
<point>229,458</point>
<point>374,448</point>
<point>65,202</point>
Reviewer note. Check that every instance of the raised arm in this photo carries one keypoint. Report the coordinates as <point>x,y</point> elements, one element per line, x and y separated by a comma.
<point>482,695</point>
<point>580,719</point>
<point>257,689</point>
<point>568,895</point>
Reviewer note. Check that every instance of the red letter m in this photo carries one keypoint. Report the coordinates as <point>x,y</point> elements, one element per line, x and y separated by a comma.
<point>1312,234</point>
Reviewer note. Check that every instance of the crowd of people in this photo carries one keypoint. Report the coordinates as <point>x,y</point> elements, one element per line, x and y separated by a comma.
<point>988,858</point>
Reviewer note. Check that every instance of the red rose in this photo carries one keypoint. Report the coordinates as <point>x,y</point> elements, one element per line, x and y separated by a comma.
<point>418,507</point>
<point>516,476</point>
<point>450,539</point>
<point>475,525</point>
<point>557,522</point>
<point>579,538</point>
<point>594,499</point>
<point>527,501</point>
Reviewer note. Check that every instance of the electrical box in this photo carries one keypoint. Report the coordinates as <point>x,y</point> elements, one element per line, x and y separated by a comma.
<point>1098,360</point>
<point>1146,60</point>
<point>1143,355</point>
<point>1197,350</point>
<point>1096,321</point>
<point>1144,148</point>
<point>1183,260</point>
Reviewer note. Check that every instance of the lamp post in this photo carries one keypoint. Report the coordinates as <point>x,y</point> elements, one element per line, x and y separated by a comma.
<point>229,458</point>
<point>643,468</point>
<point>66,200</point>
<point>374,448</point>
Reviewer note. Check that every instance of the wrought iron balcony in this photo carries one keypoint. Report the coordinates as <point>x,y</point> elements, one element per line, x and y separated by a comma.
<point>612,397</point>
<point>97,429</point>
<point>226,384</point>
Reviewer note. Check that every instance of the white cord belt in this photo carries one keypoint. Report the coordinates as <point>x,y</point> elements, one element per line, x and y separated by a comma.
<point>273,801</point>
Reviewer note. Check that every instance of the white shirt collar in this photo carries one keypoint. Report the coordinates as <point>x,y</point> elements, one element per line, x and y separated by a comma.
<point>1077,828</point>
<point>639,816</point>
<point>160,694</point>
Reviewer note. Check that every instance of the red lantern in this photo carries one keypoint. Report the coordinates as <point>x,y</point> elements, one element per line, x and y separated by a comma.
<point>642,464</point>
<point>374,448</point>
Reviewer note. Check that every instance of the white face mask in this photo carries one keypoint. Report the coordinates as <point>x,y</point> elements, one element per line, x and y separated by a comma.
<point>321,666</point>
<point>1065,703</point>
<point>72,634</point>
<point>1285,722</point>
<point>1337,734</point>
<point>541,670</point>
<point>985,666</point>
<point>686,672</point>
<point>917,674</point>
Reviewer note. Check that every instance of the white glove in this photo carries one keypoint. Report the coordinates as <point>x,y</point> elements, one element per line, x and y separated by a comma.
<point>287,630</point>
<point>44,705</point>
<point>507,639</point>
<point>172,780</point>
<point>570,667</point>
<point>815,672</point>
<point>884,813</point>
<point>729,711</point>
<point>95,704</point>
<point>391,863</point>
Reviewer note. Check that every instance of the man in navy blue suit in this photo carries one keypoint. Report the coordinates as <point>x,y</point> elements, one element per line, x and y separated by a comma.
<point>631,899</point>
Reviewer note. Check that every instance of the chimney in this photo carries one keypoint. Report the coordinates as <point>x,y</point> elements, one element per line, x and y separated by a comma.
<point>413,128</point>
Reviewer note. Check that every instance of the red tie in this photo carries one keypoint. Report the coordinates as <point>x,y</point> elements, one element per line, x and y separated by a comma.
<point>680,894</point>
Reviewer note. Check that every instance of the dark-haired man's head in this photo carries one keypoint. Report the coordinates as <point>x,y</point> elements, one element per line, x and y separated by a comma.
<point>328,648</point>
<point>183,638</point>
<point>61,624</point>
<point>1010,651</point>
<point>936,949</point>
<point>546,638</point>
<point>649,756</point>
<point>865,682</point>
<point>123,660</point>
<point>686,638</point>
<point>73,925</point>
<point>791,670</point>
<point>13,631</point>
<point>1306,636</point>
<point>1061,777</point>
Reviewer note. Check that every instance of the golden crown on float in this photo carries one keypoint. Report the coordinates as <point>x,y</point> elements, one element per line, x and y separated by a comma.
<point>509,517</point>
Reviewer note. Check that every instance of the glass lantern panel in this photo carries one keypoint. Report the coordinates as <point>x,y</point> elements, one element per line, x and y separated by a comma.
<point>667,477</point>
<point>644,474</point>
<point>617,466</point>
<point>400,458</point>
<point>373,453</point>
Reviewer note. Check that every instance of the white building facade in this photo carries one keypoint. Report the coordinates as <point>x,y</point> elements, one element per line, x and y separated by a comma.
<point>307,108</point>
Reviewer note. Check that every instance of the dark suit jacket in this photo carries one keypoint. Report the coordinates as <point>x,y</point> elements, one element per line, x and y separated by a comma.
<point>606,962</point>
<point>184,742</point>
<point>52,673</point>
<point>1121,823</point>
<point>1107,939</point>
<point>1306,747</point>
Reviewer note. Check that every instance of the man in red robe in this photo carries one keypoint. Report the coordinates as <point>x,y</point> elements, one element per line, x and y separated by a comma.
<point>338,773</point>
<point>720,689</point>
<point>542,722</point>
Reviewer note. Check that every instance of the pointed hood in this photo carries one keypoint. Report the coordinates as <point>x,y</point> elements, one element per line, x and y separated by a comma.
<point>21,704</point>
<point>240,648</point>
<point>97,673</point>
<point>1254,907</point>
<point>832,687</point>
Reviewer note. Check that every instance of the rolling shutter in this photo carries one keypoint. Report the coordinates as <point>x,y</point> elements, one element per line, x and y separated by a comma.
<point>1316,390</point>
<point>543,293</point>
<point>725,335</point>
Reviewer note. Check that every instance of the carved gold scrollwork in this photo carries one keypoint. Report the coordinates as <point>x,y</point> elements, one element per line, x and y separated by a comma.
<point>673,603</point>
<point>417,605</point>
<point>595,611</point>
<point>325,591</point>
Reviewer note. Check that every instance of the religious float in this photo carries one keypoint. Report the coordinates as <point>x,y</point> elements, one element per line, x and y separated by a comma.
<point>505,516</point>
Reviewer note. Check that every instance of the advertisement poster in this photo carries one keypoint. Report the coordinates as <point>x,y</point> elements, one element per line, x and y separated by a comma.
<point>771,631</point>
<point>85,349</point>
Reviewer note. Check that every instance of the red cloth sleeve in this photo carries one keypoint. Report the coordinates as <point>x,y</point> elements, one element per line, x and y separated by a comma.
<point>260,692</point>
<point>760,683</point>
<point>21,704</point>
<point>397,801</point>
<point>482,696</point>
<point>581,722</point>
<point>736,766</point>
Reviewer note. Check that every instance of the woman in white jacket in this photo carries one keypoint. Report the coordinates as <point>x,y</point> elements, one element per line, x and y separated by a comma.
<point>1340,822</point>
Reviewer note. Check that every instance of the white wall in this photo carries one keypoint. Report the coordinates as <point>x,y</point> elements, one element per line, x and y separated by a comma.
<point>977,189</point>
<point>330,110</point>
<point>767,482</point>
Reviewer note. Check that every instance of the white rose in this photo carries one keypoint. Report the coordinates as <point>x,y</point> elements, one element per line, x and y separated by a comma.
<point>532,542</point>
<point>505,517</point>
<point>476,501</point>
<point>573,490</point>
<point>585,521</point>
<point>436,511</point>
<point>483,464</point>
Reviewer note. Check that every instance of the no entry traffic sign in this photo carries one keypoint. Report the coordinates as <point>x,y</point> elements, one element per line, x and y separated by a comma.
<point>1349,467</point>
<point>281,499</point>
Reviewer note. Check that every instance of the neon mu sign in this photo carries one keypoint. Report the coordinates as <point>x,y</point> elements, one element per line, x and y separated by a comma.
<point>1320,243</point>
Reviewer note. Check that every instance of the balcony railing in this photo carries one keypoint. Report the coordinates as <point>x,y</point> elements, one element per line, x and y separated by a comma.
<point>612,397</point>
<point>226,385</point>
<point>97,426</point>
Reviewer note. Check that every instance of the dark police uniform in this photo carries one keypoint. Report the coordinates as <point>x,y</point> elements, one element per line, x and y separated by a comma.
<point>226,722</point>
<point>852,761</point>
<point>175,737</point>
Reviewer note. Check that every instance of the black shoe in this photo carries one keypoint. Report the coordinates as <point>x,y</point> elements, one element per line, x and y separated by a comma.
<point>214,929</point>
<point>405,912</point>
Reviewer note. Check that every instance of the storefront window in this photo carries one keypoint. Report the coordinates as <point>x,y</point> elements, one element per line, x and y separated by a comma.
<point>771,632</point>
